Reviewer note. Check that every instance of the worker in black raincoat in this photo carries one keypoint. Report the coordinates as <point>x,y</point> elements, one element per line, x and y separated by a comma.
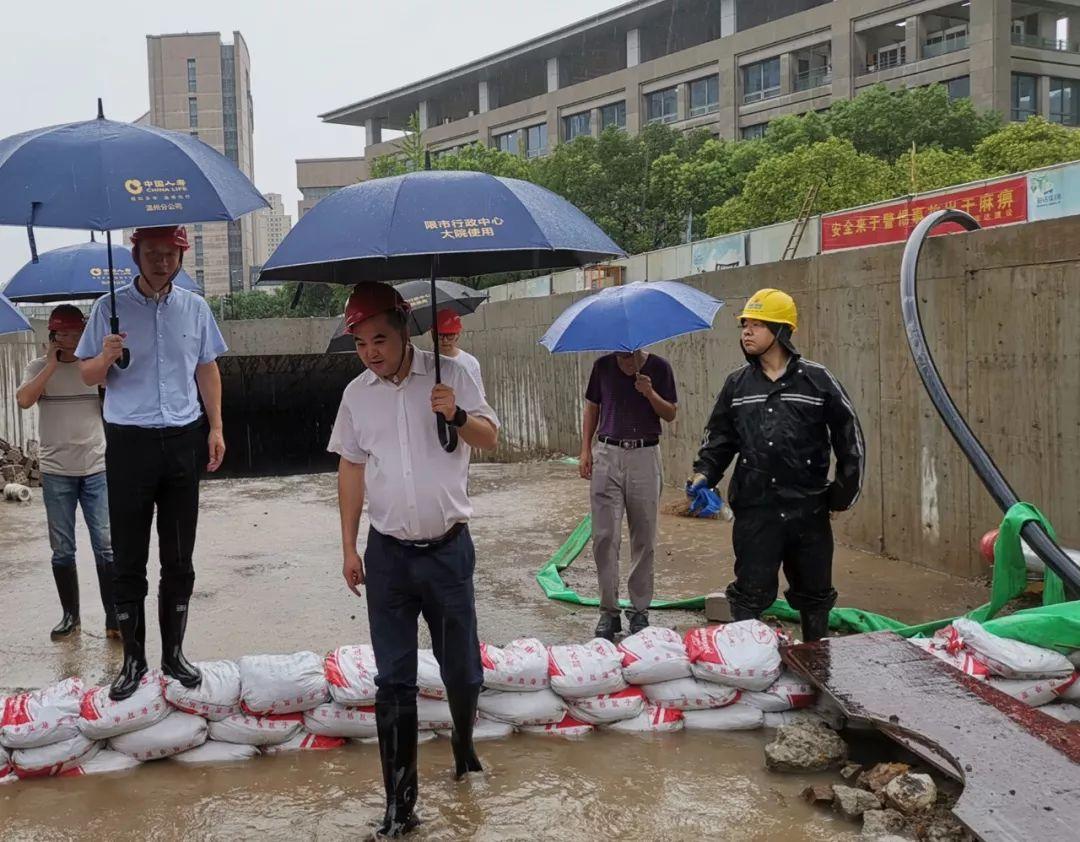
<point>781,415</point>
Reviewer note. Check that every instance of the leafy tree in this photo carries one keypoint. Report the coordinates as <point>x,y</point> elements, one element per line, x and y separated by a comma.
<point>1028,145</point>
<point>936,168</point>
<point>317,300</point>
<point>408,155</point>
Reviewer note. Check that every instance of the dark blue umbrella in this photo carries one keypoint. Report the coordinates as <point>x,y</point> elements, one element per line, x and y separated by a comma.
<point>11,320</point>
<point>428,224</point>
<point>626,318</point>
<point>100,175</point>
<point>76,272</point>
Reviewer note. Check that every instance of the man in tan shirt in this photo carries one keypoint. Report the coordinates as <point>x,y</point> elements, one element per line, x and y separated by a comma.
<point>72,464</point>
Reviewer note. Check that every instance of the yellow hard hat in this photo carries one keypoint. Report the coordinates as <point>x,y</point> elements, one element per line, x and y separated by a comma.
<point>771,305</point>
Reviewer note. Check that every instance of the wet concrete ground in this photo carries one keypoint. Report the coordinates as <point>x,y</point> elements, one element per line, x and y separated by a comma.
<point>269,580</point>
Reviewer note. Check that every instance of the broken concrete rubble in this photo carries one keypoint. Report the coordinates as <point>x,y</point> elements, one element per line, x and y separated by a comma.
<point>877,778</point>
<point>879,823</point>
<point>852,802</point>
<point>911,793</point>
<point>805,747</point>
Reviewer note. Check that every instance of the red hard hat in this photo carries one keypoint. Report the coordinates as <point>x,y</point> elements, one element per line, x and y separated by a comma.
<point>67,317</point>
<point>370,298</point>
<point>175,234</point>
<point>447,321</point>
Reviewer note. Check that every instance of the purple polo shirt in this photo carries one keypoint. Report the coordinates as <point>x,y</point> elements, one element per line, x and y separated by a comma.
<point>625,413</point>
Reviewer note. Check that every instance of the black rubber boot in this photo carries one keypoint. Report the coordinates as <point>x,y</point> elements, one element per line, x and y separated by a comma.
<point>398,731</point>
<point>172,617</point>
<point>132,622</point>
<point>462,703</point>
<point>105,587</point>
<point>638,620</point>
<point>738,614</point>
<point>815,625</point>
<point>609,626</point>
<point>67,586</point>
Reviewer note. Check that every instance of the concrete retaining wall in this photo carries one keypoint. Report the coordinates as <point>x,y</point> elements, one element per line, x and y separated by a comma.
<point>1001,310</point>
<point>16,350</point>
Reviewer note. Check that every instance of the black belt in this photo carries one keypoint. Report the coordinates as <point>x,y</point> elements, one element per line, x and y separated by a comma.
<point>434,543</point>
<point>628,444</point>
<point>133,431</point>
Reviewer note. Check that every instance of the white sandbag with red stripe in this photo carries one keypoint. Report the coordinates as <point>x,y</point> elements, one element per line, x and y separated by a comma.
<point>433,714</point>
<point>956,656</point>
<point>736,717</point>
<point>216,697</point>
<point>429,675</point>
<point>690,694</point>
<point>568,728</point>
<point>581,670</point>
<point>278,684</point>
<point>653,655</point>
<point>654,719</point>
<point>614,707</point>
<point>1033,691</point>
<point>1010,658</point>
<point>256,730</point>
<point>42,717</point>
<point>175,733</point>
<point>542,707</point>
<point>334,720</point>
<point>55,758</point>
<point>788,692</point>
<point>304,741</point>
<point>744,654</point>
<point>101,718</point>
<point>520,665</point>
<point>484,729</point>
<point>5,762</point>
<point>214,752</point>
<point>104,762</point>
<point>350,674</point>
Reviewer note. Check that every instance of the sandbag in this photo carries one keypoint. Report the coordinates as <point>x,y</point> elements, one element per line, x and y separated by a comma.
<point>175,733</point>
<point>744,654</point>
<point>278,684</point>
<point>485,729</point>
<point>256,730</point>
<point>567,728</point>
<point>421,738</point>
<point>653,655</point>
<point>690,694</point>
<point>5,762</point>
<point>429,675</point>
<point>805,716</point>
<point>520,665</point>
<point>581,670</point>
<point>216,697</point>
<point>334,720</point>
<point>55,758</point>
<point>736,717</point>
<point>542,707</point>
<point>101,718</point>
<point>1011,658</point>
<point>28,719</point>
<point>433,714</point>
<point>1071,691</point>
<point>104,762</point>
<point>1032,691</point>
<point>788,692</point>
<point>350,674</point>
<point>303,741</point>
<point>654,719</point>
<point>214,752</point>
<point>963,660</point>
<point>1062,711</point>
<point>603,710</point>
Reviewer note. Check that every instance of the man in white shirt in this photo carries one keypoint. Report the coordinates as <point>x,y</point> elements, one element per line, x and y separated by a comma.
<point>419,557</point>
<point>448,324</point>
<point>72,465</point>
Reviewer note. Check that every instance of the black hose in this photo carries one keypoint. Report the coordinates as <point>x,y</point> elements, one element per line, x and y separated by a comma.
<point>1032,532</point>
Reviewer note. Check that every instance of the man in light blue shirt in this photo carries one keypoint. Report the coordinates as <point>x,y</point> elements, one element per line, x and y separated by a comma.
<point>158,440</point>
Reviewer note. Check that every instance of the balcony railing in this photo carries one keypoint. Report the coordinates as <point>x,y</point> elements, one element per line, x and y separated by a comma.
<point>813,78</point>
<point>1021,39</point>
<point>758,96</point>
<point>944,46</point>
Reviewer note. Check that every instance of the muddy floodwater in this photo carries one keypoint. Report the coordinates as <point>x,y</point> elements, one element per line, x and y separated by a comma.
<point>269,580</point>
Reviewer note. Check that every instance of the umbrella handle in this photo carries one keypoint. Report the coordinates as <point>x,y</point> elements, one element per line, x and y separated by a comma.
<point>125,357</point>
<point>448,436</point>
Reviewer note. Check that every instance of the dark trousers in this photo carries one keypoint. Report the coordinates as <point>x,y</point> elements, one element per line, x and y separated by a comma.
<point>766,539</point>
<point>404,582</point>
<point>148,468</point>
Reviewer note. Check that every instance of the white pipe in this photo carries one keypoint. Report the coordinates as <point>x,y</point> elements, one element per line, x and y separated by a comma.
<point>16,493</point>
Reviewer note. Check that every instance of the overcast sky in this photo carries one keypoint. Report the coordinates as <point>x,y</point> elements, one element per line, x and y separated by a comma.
<point>307,57</point>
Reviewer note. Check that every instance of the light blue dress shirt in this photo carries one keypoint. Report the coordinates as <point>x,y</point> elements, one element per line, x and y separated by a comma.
<point>167,339</point>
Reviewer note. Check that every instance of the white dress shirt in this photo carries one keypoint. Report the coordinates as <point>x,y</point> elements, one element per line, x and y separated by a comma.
<point>415,490</point>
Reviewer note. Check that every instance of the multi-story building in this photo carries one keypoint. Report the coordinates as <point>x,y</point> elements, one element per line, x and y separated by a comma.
<point>271,226</point>
<point>730,66</point>
<point>202,86</point>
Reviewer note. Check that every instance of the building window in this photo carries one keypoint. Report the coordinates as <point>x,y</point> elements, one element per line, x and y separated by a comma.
<point>314,194</point>
<point>754,132</point>
<point>1065,102</point>
<point>959,88</point>
<point>198,249</point>
<point>705,96</point>
<point>507,142</point>
<point>200,276</point>
<point>536,141</point>
<point>576,125</point>
<point>1025,97</point>
<point>946,41</point>
<point>191,75</point>
<point>613,115</point>
<point>193,112</point>
<point>194,132</point>
<point>891,56</point>
<point>662,106</point>
<point>761,80</point>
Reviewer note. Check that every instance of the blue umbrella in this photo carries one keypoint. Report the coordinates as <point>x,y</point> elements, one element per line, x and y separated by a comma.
<point>626,318</point>
<point>11,320</point>
<point>76,272</point>
<point>101,175</point>
<point>428,224</point>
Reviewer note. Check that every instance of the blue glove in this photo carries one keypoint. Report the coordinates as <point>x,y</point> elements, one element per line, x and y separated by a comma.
<point>705,503</point>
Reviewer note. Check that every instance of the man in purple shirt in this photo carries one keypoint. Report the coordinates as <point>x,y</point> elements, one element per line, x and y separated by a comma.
<point>627,396</point>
